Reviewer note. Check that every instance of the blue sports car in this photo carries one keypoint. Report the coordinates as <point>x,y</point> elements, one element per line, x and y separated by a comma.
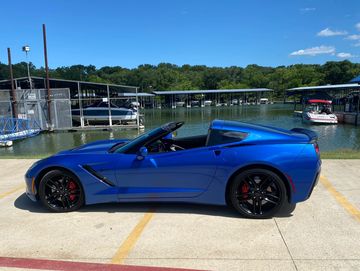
<point>256,169</point>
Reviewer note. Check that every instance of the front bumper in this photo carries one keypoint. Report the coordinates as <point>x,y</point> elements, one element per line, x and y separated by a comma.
<point>31,190</point>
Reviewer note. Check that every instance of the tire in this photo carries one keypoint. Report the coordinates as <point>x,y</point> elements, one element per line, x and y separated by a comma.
<point>61,191</point>
<point>257,193</point>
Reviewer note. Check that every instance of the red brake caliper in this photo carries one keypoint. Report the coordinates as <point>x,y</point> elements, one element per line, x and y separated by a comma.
<point>72,187</point>
<point>244,190</point>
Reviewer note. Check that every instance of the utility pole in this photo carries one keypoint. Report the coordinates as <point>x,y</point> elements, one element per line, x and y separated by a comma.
<point>13,94</point>
<point>47,79</point>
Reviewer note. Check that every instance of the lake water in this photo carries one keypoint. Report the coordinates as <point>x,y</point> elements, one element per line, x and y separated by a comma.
<point>331,137</point>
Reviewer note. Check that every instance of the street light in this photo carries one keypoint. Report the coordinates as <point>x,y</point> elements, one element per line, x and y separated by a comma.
<point>26,49</point>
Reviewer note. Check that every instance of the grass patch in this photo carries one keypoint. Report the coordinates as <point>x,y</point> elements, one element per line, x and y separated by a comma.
<point>341,154</point>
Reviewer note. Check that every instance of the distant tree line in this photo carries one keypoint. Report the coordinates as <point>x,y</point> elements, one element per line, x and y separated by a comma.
<point>167,76</point>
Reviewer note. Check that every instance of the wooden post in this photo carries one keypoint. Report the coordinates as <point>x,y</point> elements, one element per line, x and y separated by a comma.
<point>47,79</point>
<point>294,104</point>
<point>109,104</point>
<point>138,110</point>
<point>81,112</point>
<point>358,110</point>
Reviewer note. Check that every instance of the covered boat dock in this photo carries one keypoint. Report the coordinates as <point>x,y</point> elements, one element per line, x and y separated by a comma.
<point>216,97</point>
<point>345,98</point>
<point>66,96</point>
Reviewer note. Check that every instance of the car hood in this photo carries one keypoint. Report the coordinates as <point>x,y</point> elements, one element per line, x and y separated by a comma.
<point>100,146</point>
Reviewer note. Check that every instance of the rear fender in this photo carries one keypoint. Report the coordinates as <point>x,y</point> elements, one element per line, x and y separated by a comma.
<point>290,188</point>
<point>279,158</point>
<point>311,134</point>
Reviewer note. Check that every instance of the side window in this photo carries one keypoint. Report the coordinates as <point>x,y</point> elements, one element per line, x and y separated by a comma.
<point>217,137</point>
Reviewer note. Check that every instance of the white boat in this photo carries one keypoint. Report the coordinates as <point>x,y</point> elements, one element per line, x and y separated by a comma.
<point>319,112</point>
<point>7,143</point>
<point>99,113</point>
<point>179,104</point>
<point>207,103</point>
<point>264,100</point>
<point>194,103</point>
<point>221,104</point>
<point>135,104</point>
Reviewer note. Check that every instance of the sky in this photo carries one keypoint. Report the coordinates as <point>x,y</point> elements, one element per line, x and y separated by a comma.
<point>221,33</point>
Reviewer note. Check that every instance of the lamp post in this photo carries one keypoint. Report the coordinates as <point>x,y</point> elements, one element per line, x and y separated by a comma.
<point>26,49</point>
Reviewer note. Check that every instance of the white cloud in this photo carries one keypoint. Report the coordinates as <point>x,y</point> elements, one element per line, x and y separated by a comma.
<point>318,50</point>
<point>327,32</point>
<point>345,55</point>
<point>304,10</point>
<point>358,26</point>
<point>353,37</point>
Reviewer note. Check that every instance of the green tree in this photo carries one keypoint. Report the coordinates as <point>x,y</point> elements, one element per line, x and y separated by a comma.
<point>167,76</point>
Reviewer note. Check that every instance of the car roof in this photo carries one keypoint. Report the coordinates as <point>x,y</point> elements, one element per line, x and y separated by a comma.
<point>244,127</point>
<point>256,131</point>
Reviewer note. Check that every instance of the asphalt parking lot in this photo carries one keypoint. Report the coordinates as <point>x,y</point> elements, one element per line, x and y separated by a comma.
<point>322,233</point>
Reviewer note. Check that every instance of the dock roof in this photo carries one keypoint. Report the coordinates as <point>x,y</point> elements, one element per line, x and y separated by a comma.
<point>133,94</point>
<point>324,87</point>
<point>69,81</point>
<point>210,91</point>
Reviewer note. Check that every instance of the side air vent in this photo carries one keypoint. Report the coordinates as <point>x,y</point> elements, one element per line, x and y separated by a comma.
<point>97,175</point>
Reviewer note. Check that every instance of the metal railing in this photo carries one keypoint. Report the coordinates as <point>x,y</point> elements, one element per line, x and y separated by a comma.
<point>14,128</point>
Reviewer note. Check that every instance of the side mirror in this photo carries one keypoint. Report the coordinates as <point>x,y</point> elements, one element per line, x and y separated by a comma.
<point>142,153</point>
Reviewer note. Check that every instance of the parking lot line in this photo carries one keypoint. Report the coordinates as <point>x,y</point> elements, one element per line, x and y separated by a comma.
<point>351,209</point>
<point>130,241</point>
<point>3,195</point>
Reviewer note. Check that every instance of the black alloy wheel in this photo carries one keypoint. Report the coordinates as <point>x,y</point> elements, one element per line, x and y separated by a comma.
<point>61,191</point>
<point>257,193</point>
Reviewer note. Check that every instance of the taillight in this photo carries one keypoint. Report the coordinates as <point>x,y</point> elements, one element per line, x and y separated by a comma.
<point>317,149</point>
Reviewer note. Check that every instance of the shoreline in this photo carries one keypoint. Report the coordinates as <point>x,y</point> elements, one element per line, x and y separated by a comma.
<point>335,154</point>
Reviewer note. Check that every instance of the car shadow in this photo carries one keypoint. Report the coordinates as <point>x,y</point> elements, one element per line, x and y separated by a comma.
<point>24,203</point>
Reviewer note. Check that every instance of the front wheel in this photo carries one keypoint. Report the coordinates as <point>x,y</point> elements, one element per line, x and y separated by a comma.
<point>257,193</point>
<point>61,191</point>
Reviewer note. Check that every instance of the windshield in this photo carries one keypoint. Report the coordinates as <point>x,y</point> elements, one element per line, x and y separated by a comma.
<point>140,140</point>
<point>134,145</point>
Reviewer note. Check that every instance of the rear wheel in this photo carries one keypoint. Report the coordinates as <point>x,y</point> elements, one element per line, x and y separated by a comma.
<point>257,193</point>
<point>61,191</point>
